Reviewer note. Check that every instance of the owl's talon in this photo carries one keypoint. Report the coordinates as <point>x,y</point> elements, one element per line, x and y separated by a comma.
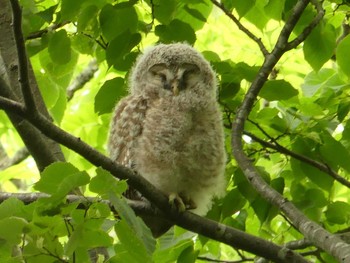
<point>181,202</point>
<point>176,202</point>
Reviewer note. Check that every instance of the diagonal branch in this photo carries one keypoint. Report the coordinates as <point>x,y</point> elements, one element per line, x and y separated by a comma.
<point>187,220</point>
<point>242,27</point>
<point>312,231</point>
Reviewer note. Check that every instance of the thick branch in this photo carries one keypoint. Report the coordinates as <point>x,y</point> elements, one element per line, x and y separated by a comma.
<point>312,231</point>
<point>187,220</point>
<point>43,150</point>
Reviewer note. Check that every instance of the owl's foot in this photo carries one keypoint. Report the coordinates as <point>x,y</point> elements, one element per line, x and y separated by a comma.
<point>181,202</point>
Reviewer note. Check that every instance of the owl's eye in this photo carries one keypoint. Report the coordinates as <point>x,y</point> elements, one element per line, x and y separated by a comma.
<point>158,70</point>
<point>189,69</point>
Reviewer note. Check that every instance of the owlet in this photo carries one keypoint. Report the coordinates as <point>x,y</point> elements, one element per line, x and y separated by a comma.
<point>169,128</point>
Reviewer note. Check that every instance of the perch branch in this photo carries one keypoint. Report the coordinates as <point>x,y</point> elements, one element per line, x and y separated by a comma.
<point>312,231</point>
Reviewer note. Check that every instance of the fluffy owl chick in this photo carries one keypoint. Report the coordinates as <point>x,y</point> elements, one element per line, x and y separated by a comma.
<point>169,128</point>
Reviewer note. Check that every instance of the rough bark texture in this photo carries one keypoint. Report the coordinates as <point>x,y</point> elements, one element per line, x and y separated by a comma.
<point>43,150</point>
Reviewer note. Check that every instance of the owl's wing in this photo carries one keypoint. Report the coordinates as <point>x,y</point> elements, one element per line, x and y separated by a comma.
<point>126,126</point>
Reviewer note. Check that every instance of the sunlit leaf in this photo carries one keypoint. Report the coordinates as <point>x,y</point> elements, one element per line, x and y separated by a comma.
<point>277,90</point>
<point>110,92</point>
<point>117,19</point>
<point>176,31</point>
<point>338,212</point>
<point>61,178</point>
<point>319,46</point>
<point>104,182</point>
<point>342,54</point>
<point>59,47</point>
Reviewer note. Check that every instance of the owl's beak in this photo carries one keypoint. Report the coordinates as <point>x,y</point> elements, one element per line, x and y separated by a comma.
<point>175,89</point>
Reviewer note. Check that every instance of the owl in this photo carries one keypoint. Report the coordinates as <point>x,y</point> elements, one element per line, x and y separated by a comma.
<point>169,128</point>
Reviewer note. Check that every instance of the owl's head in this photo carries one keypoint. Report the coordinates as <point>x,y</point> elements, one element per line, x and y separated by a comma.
<point>172,70</point>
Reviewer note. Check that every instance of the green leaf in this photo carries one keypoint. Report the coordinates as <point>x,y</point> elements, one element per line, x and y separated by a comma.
<point>195,13</point>
<point>165,10</point>
<point>110,92</point>
<point>278,90</point>
<point>278,184</point>
<point>70,9</point>
<point>132,243</point>
<point>316,83</point>
<point>11,229</point>
<point>343,54</point>
<point>171,247</point>
<point>114,20</point>
<point>232,203</point>
<point>87,17</point>
<point>317,197</point>
<point>338,212</point>
<point>11,207</point>
<point>319,46</point>
<point>59,47</point>
<point>118,51</point>
<point>58,109</point>
<point>136,227</point>
<point>60,179</point>
<point>274,9</point>
<point>48,13</point>
<point>103,183</point>
<point>228,90</point>
<point>261,208</point>
<point>189,255</point>
<point>257,15</point>
<point>61,74</point>
<point>176,31</point>
<point>242,7</point>
<point>334,152</point>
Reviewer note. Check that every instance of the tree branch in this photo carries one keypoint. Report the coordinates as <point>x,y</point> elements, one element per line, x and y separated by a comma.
<point>242,27</point>
<point>43,150</point>
<point>312,231</point>
<point>187,220</point>
<point>22,57</point>
<point>44,31</point>
<point>82,78</point>
<point>320,166</point>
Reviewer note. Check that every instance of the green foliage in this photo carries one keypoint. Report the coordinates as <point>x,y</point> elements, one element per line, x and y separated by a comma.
<point>304,107</point>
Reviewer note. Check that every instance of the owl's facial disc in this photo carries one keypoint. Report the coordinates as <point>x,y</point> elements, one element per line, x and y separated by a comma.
<point>174,79</point>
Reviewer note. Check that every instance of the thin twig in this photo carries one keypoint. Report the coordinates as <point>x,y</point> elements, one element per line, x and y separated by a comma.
<point>44,31</point>
<point>242,27</point>
<point>320,166</point>
<point>225,261</point>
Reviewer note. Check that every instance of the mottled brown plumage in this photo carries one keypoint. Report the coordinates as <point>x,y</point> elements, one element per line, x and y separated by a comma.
<point>169,128</point>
